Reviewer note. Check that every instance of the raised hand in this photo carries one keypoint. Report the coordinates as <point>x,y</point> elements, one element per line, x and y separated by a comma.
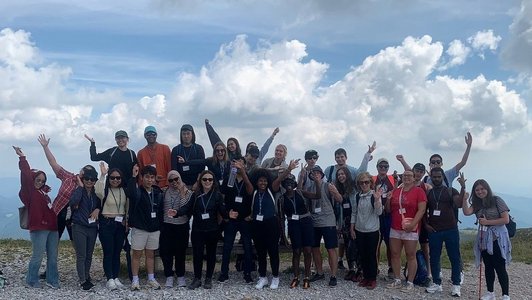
<point>103,169</point>
<point>468,139</point>
<point>461,180</point>
<point>43,140</point>
<point>89,138</point>
<point>294,163</point>
<point>135,171</point>
<point>275,131</point>
<point>372,147</point>
<point>18,151</point>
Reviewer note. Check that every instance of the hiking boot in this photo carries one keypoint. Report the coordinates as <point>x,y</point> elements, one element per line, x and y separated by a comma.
<point>294,283</point>
<point>223,277</point>
<point>396,284</point>
<point>332,281</point>
<point>455,291</point>
<point>408,287</point>
<point>433,288</point>
<point>488,296</point>
<point>275,283</point>
<point>306,283</point>
<point>154,284</point>
<point>341,265</point>
<point>248,278</point>
<point>111,285</point>
<point>317,277</point>
<point>196,283</point>
<point>207,284</point>
<point>371,285</point>
<point>263,281</point>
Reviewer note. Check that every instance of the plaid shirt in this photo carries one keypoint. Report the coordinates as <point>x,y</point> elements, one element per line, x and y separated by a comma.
<point>69,182</point>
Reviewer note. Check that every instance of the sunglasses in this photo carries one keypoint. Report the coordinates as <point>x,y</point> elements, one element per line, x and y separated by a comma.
<point>315,157</point>
<point>92,179</point>
<point>151,134</point>
<point>435,162</point>
<point>205,179</point>
<point>220,150</point>
<point>173,180</point>
<point>115,178</point>
<point>384,166</point>
<point>364,182</point>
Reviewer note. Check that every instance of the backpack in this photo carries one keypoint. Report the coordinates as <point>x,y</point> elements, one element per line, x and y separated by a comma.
<point>511,226</point>
<point>422,274</point>
<point>372,200</point>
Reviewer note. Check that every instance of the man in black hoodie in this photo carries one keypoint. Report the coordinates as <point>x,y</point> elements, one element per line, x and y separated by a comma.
<point>145,219</point>
<point>186,151</point>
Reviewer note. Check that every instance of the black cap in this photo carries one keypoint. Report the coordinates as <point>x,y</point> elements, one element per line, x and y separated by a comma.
<point>316,168</point>
<point>253,151</point>
<point>187,127</point>
<point>121,133</point>
<point>419,166</point>
<point>89,171</point>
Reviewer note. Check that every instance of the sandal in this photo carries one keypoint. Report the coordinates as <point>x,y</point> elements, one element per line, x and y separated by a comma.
<point>306,283</point>
<point>294,283</point>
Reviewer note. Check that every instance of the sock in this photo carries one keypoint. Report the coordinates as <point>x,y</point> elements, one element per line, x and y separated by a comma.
<point>135,279</point>
<point>151,277</point>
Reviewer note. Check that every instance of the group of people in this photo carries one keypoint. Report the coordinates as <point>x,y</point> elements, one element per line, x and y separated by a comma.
<point>155,195</point>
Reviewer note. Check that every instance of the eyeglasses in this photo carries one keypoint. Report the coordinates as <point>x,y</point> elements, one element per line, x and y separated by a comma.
<point>315,157</point>
<point>220,150</point>
<point>92,179</point>
<point>115,178</point>
<point>205,179</point>
<point>173,180</point>
<point>435,162</point>
<point>384,166</point>
<point>408,175</point>
<point>364,182</point>
<point>151,134</point>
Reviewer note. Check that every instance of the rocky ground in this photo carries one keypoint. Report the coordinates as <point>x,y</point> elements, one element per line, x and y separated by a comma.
<point>13,263</point>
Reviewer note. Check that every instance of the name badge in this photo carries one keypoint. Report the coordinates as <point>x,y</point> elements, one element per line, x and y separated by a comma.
<point>346,205</point>
<point>402,210</point>
<point>221,181</point>
<point>119,219</point>
<point>483,227</point>
<point>317,210</point>
<point>238,199</point>
<point>154,165</point>
<point>205,216</point>
<point>436,213</point>
<point>50,205</point>
<point>260,217</point>
<point>153,215</point>
<point>295,217</point>
<point>186,168</point>
<point>91,220</point>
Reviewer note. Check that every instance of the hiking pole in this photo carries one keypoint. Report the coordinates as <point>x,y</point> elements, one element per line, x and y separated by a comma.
<point>480,268</point>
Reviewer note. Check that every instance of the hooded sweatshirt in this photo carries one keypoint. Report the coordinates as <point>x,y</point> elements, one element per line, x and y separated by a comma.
<point>189,173</point>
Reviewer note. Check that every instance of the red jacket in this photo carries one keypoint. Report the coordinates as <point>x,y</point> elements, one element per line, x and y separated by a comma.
<point>41,217</point>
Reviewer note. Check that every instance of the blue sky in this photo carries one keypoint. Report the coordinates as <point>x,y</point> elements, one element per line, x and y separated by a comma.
<point>413,75</point>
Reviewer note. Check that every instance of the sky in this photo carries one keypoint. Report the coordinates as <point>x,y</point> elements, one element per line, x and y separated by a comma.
<point>415,76</point>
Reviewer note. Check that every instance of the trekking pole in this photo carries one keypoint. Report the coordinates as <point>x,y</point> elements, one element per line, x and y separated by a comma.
<point>480,269</point>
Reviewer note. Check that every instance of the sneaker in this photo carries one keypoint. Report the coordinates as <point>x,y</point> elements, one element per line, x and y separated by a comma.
<point>396,284</point>
<point>223,277</point>
<point>111,285</point>
<point>341,265</point>
<point>317,277</point>
<point>275,283</point>
<point>207,284</point>
<point>294,283</point>
<point>505,297</point>
<point>263,281</point>
<point>135,286</point>
<point>169,282</point>
<point>181,282</point>
<point>248,278</point>
<point>455,291</point>
<point>349,275</point>
<point>332,281</point>
<point>488,296</point>
<point>433,288</point>
<point>371,284</point>
<point>196,283</point>
<point>87,285</point>
<point>52,286</point>
<point>154,284</point>
<point>118,283</point>
<point>42,275</point>
<point>306,283</point>
<point>408,287</point>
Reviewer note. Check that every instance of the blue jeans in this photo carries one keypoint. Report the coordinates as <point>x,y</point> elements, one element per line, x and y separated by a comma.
<point>451,238</point>
<point>41,241</point>
<point>84,239</point>
<point>112,235</point>
<point>230,231</point>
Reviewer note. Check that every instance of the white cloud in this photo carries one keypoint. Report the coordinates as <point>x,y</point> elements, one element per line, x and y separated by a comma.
<point>458,53</point>
<point>484,40</point>
<point>516,52</point>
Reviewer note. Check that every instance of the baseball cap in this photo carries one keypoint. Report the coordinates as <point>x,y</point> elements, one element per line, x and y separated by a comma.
<point>121,133</point>
<point>150,129</point>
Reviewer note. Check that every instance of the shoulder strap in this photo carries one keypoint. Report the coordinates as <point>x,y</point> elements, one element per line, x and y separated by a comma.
<point>131,154</point>
<point>357,198</point>
<point>330,173</point>
<point>114,150</point>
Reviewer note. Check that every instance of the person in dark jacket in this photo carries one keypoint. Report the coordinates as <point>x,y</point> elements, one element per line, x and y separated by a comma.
<point>42,223</point>
<point>145,217</point>
<point>204,206</point>
<point>86,207</point>
<point>184,152</point>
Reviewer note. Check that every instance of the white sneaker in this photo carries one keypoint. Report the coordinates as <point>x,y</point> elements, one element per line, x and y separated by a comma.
<point>433,288</point>
<point>169,282</point>
<point>455,291</point>
<point>275,283</point>
<point>408,287</point>
<point>396,284</point>
<point>111,285</point>
<point>488,296</point>
<point>135,286</point>
<point>263,281</point>
<point>118,283</point>
<point>181,282</point>
<point>154,284</point>
<point>505,297</point>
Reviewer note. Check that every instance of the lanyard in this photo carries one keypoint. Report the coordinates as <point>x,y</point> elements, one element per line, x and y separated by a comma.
<point>437,199</point>
<point>401,202</point>
<point>222,169</point>
<point>261,196</point>
<point>186,156</point>
<point>293,200</point>
<point>150,195</point>
<point>119,201</point>
<point>239,187</point>
<point>203,202</point>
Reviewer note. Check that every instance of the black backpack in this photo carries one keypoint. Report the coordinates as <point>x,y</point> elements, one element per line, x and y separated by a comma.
<point>422,273</point>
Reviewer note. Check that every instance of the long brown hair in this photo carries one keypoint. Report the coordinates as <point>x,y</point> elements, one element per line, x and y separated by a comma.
<point>478,203</point>
<point>347,188</point>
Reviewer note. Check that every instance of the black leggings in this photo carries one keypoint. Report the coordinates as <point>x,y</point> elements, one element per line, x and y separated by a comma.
<point>173,245</point>
<point>201,240</point>
<point>266,239</point>
<point>367,246</point>
<point>495,263</point>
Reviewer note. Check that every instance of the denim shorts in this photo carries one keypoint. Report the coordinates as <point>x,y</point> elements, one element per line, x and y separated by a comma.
<point>403,235</point>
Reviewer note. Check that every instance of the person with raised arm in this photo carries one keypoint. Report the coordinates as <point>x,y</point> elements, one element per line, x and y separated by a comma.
<point>42,223</point>
<point>264,149</point>
<point>233,146</point>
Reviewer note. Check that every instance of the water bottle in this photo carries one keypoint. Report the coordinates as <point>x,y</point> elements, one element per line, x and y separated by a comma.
<point>232,177</point>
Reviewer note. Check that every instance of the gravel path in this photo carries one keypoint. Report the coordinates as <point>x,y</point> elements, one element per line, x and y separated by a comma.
<point>14,266</point>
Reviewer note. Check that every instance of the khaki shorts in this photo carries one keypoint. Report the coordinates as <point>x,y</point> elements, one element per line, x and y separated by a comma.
<point>141,239</point>
<point>403,235</point>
